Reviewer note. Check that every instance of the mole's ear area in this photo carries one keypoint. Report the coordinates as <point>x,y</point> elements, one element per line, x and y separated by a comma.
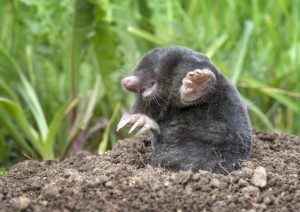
<point>196,83</point>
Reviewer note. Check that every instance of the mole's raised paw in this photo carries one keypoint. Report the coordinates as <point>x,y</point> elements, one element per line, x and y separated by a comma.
<point>195,83</point>
<point>138,120</point>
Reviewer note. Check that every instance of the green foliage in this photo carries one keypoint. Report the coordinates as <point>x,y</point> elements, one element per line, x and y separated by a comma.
<point>2,171</point>
<point>254,43</point>
<point>43,107</point>
<point>14,121</point>
<point>61,63</point>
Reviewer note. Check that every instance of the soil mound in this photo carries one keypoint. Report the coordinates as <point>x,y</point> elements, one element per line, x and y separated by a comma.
<point>121,180</point>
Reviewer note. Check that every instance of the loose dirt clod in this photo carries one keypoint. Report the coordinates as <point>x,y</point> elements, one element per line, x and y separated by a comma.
<point>122,180</point>
<point>259,178</point>
<point>20,203</point>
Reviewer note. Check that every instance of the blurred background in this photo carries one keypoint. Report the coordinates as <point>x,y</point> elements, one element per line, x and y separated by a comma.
<point>61,62</point>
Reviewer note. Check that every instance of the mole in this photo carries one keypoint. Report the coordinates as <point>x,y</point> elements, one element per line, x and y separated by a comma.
<point>195,116</point>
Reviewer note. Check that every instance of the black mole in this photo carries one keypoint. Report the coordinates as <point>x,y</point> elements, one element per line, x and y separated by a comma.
<point>195,114</point>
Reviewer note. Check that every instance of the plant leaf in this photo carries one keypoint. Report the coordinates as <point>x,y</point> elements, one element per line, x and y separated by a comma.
<point>3,146</point>
<point>146,36</point>
<point>279,97</point>
<point>13,110</point>
<point>31,99</point>
<point>60,114</point>
<point>259,113</point>
<point>104,143</point>
<point>216,45</point>
<point>91,103</point>
<point>242,52</point>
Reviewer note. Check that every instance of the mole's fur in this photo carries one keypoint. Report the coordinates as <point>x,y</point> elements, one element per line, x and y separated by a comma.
<point>209,133</point>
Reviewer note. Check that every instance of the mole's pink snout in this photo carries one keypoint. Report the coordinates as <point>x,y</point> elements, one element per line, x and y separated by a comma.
<point>131,83</point>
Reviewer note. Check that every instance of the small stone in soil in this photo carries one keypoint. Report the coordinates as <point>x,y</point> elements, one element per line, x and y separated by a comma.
<point>20,203</point>
<point>259,177</point>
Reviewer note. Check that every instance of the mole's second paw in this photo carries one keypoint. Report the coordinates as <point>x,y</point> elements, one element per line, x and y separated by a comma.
<point>195,84</point>
<point>138,120</point>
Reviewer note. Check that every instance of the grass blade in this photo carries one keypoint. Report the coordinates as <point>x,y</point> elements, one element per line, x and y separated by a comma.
<point>258,113</point>
<point>35,107</point>
<point>83,20</point>
<point>3,148</point>
<point>55,123</point>
<point>216,45</point>
<point>16,111</point>
<point>146,36</point>
<point>104,143</point>
<point>269,92</point>
<point>8,65</point>
<point>242,52</point>
<point>14,132</point>
<point>91,103</point>
<point>7,90</point>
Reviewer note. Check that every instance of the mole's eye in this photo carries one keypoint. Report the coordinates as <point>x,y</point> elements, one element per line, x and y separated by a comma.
<point>152,82</point>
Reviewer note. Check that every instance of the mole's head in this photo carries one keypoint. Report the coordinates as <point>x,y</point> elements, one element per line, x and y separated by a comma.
<point>158,76</point>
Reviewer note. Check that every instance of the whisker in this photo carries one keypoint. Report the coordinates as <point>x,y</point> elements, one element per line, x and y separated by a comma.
<point>156,100</point>
<point>161,98</point>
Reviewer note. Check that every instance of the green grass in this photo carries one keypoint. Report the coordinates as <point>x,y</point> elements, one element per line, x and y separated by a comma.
<point>52,53</point>
<point>2,171</point>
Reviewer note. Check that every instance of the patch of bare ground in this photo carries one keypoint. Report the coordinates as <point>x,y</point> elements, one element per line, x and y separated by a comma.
<point>122,180</point>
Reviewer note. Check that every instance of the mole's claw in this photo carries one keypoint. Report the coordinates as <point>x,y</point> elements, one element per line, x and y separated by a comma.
<point>147,126</point>
<point>133,127</point>
<point>153,126</point>
<point>150,126</point>
<point>141,131</point>
<point>138,120</point>
<point>188,90</point>
<point>199,71</point>
<point>122,124</point>
<point>124,121</point>
<point>195,84</point>
<point>187,81</point>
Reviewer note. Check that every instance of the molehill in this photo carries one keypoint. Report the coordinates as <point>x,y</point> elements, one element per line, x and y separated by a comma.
<point>122,180</point>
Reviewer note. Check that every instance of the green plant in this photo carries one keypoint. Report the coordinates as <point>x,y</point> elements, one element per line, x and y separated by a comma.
<point>254,43</point>
<point>37,78</point>
<point>2,171</point>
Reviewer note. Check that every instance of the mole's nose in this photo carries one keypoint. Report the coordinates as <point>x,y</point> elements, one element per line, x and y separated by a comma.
<point>131,83</point>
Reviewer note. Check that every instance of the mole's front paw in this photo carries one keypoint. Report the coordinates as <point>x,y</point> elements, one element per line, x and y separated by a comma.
<point>195,84</point>
<point>138,120</point>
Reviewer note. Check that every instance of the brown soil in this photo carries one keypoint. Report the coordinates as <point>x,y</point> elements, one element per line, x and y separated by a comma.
<point>121,180</point>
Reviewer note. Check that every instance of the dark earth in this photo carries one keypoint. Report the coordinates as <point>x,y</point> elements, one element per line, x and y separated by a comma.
<point>122,180</point>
